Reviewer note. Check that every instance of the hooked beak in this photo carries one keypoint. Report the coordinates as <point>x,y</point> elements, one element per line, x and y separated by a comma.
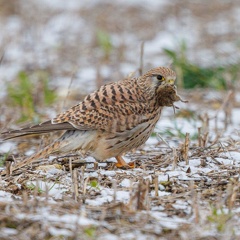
<point>170,81</point>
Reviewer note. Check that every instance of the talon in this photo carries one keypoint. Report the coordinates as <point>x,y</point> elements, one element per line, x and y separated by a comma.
<point>131,164</point>
<point>121,163</point>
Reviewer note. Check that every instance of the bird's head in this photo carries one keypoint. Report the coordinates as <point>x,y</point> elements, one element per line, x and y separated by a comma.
<point>157,78</point>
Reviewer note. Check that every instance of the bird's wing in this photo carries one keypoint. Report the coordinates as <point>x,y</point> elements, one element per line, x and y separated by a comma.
<point>44,127</point>
<point>114,107</point>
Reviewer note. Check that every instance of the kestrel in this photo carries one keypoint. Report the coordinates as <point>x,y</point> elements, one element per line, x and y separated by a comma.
<point>111,121</point>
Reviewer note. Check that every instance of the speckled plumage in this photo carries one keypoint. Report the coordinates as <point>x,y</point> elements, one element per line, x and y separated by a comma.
<point>116,118</point>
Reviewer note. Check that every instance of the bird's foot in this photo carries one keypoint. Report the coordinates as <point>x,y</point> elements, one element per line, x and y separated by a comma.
<point>127,165</point>
<point>122,164</point>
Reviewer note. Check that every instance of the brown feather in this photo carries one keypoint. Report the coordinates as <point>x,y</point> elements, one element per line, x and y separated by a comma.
<point>110,121</point>
<point>41,128</point>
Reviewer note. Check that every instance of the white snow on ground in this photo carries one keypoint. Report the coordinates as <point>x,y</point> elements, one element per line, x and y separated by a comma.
<point>125,183</point>
<point>39,46</point>
<point>195,171</point>
<point>53,189</point>
<point>5,196</point>
<point>6,147</point>
<point>66,218</point>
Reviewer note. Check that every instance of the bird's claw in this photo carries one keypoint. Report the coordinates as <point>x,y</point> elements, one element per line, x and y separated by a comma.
<point>127,165</point>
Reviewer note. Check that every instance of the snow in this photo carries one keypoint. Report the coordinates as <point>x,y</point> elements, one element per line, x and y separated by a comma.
<point>29,152</point>
<point>108,236</point>
<point>163,178</point>
<point>6,147</point>
<point>99,200</point>
<point>70,219</point>
<point>122,196</point>
<point>162,40</point>
<point>160,193</point>
<point>107,197</point>
<point>125,183</point>
<point>235,156</point>
<point>180,204</point>
<point>151,141</point>
<point>9,231</point>
<point>40,46</point>
<point>5,196</point>
<point>57,231</point>
<point>53,189</point>
<point>195,162</point>
<point>195,171</point>
<point>166,222</point>
<point>107,173</point>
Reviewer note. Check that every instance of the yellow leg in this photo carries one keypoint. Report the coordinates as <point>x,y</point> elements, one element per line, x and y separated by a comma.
<point>121,163</point>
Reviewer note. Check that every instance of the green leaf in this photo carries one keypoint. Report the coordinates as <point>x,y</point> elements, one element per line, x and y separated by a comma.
<point>94,183</point>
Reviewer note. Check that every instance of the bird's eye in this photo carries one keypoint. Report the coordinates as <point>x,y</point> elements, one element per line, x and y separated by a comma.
<point>160,77</point>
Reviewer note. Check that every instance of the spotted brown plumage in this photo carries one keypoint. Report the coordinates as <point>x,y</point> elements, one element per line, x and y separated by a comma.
<point>113,120</point>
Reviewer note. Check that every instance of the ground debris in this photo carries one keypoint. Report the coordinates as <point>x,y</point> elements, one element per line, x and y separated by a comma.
<point>180,187</point>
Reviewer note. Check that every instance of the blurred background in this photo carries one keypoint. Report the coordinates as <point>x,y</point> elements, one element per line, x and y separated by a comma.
<point>51,49</point>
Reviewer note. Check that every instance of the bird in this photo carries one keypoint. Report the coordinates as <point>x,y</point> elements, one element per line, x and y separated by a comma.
<point>109,122</point>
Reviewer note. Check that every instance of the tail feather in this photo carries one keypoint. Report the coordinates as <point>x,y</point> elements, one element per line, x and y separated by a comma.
<point>40,154</point>
<point>44,127</point>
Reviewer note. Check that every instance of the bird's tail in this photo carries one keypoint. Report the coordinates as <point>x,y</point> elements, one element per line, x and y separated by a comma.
<point>40,154</point>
